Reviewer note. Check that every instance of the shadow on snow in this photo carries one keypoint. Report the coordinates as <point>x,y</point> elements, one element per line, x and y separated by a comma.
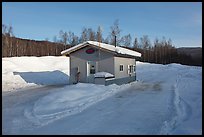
<point>45,77</point>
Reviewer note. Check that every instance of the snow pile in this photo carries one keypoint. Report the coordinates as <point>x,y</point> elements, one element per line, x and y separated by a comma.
<point>103,75</point>
<point>21,72</point>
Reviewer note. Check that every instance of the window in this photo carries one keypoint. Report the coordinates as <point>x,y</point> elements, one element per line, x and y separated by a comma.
<point>121,67</point>
<point>92,69</point>
<point>134,68</point>
<point>131,68</point>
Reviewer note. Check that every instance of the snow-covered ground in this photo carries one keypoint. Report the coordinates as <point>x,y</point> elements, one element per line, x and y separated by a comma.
<point>166,99</point>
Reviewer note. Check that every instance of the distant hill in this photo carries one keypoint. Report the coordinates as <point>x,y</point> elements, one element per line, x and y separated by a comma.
<point>192,54</point>
<point>195,52</point>
<point>13,46</point>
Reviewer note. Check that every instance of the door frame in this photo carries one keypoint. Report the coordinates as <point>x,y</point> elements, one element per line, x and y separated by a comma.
<point>90,77</point>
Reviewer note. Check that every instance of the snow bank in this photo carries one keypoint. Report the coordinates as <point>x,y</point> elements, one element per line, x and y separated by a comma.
<point>103,75</point>
<point>185,83</point>
<point>21,72</point>
<point>188,100</point>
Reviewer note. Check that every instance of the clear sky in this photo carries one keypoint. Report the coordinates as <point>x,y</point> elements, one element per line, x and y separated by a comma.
<point>180,21</point>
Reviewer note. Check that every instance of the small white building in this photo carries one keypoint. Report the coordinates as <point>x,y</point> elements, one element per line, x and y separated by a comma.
<point>100,63</point>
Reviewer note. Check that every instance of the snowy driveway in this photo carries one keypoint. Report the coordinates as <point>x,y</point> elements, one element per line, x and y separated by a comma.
<point>127,112</point>
<point>135,110</point>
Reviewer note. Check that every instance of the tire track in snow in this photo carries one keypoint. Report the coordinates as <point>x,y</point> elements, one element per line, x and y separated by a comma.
<point>39,120</point>
<point>181,107</point>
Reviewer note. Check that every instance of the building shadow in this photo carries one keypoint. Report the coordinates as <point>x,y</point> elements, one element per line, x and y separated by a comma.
<point>45,77</point>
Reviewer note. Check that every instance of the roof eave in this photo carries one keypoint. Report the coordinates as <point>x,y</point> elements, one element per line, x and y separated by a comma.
<point>74,49</point>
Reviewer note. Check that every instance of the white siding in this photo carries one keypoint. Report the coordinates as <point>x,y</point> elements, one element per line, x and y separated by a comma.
<point>125,61</point>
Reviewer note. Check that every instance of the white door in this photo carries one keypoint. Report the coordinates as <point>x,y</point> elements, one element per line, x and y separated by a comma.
<point>91,70</point>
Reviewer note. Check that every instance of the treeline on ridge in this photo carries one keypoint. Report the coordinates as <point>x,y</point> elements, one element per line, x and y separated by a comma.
<point>161,51</point>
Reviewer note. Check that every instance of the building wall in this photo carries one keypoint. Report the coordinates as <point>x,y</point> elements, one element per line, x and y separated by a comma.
<point>125,62</point>
<point>81,53</point>
<point>80,57</point>
<point>76,62</point>
<point>106,65</point>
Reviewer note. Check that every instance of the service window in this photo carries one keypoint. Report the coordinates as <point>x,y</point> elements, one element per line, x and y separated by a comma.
<point>92,69</point>
<point>121,67</point>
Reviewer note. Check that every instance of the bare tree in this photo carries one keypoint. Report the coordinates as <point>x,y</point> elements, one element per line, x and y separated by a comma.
<point>70,37</point>
<point>145,42</point>
<point>156,45</point>
<point>107,40</point>
<point>115,31</point>
<point>10,35</point>
<point>135,44</point>
<point>4,29</point>
<point>10,31</point>
<point>75,40</point>
<point>149,53</point>
<point>99,34</point>
<point>163,50</point>
<point>84,35</point>
<point>169,45</point>
<point>64,38</point>
<point>4,40</point>
<point>126,40</point>
<point>91,34</point>
<point>7,32</point>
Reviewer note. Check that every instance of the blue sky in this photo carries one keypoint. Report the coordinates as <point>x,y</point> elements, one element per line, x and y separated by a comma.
<point>182,22</point>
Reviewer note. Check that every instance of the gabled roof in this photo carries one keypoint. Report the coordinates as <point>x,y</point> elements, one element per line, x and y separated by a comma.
<point>117,49</point>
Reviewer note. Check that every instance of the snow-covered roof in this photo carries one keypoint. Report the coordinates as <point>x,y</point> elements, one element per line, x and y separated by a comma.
<point>103,75</point>
<point>117,49</point>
